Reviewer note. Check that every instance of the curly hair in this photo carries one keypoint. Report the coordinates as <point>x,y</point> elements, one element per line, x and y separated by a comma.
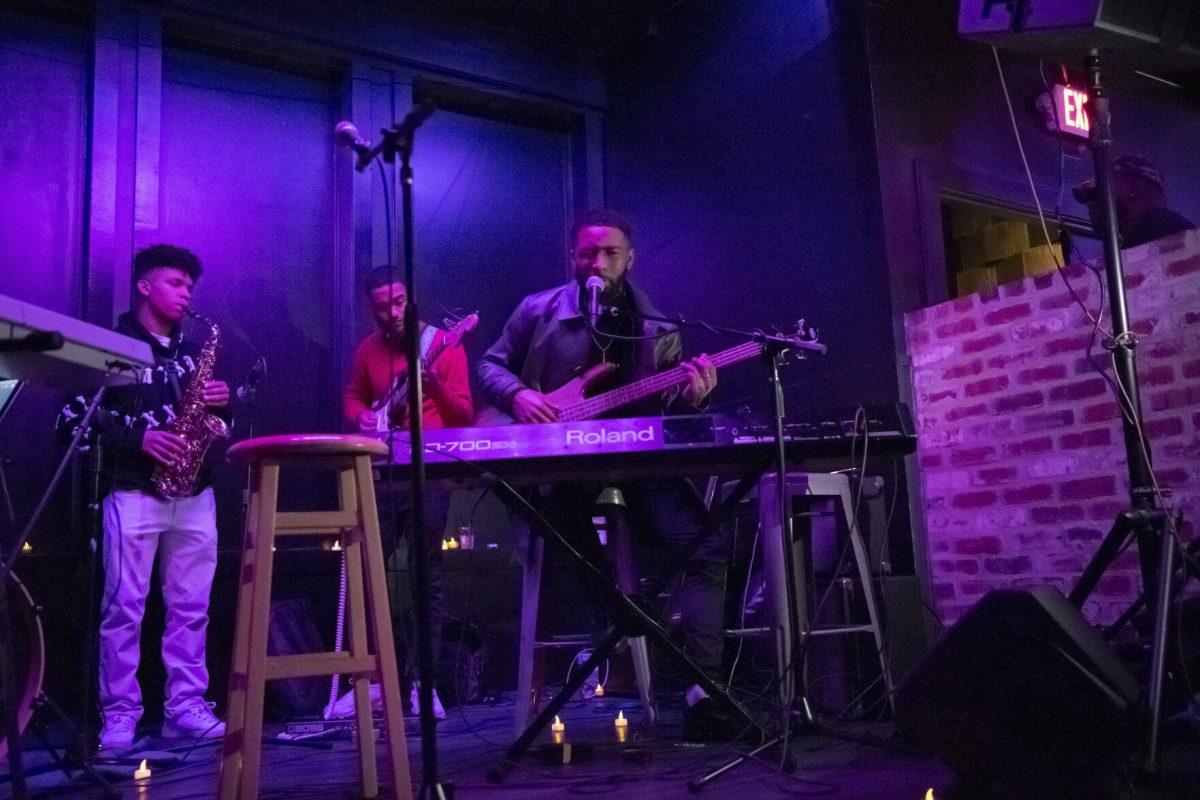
<point>602,217</point>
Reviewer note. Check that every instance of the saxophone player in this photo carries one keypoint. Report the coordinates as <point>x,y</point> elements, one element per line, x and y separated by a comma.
<point>138,523</point>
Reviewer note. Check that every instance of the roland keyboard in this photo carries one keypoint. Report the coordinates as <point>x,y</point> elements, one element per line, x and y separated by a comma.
<point>642,447</point>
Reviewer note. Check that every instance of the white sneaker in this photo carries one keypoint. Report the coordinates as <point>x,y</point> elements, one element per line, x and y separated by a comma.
<point>414,697</point>
<point>197,722</point>
<point>343,708</point>
<point>118,732</point>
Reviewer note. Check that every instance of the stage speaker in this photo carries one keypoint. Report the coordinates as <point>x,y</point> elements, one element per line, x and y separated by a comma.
<point>1024,699</point>
<point>1143,34</point>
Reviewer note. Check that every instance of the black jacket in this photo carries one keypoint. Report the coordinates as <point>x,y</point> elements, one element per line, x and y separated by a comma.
<point>127,412</point>
<point>546,343</point>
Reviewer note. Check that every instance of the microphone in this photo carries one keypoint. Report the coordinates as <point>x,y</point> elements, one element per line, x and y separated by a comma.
<point>348,135</point>
<point>250,386</point>
<point>594,286</point>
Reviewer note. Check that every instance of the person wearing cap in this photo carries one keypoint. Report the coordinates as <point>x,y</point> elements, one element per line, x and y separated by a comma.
<point>1142,214</point>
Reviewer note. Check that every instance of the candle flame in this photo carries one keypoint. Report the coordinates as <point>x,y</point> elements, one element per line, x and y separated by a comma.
<point>929,794</point>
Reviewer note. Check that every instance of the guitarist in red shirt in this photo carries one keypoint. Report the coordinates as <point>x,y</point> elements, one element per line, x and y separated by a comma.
<point>375,400</point>
<point>545,344</point>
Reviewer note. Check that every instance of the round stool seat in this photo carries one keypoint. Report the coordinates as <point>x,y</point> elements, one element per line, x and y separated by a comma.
<point>299,445</point>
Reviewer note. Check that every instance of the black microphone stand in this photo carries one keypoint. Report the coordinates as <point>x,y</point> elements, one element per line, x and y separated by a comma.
<point>1143,520</point>
<point>398,141</point>
<point>796,627</point>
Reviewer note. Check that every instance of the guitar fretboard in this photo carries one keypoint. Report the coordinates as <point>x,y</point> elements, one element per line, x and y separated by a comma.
<point>607,401</point>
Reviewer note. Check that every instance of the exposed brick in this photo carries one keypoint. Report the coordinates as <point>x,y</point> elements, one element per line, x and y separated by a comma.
<point>1087,488</point>
<point>994,476</point>
<point>1035,329</point>
<point>1079,390</point>
<point>1063,300</point>
<point>986,386</point>
<point>1008,566</point>
<point>953,330</point>
<point>973,455</point>
<point>1015,402</point>
<point>1013,289</point>
<point>1033,493</point>
<point>943,591</point>
<point>1134,281</point>
<point>931,460</point>
<point>1173,478</point>
<point>1053,515</point>
<point>1028,447</point>
<point>1164,428</point>
<point>964,304</point>
<point>1168,349</point>
<point>1032,423</point>
<point>1082,536</point>
<point>1066,344</point>
<point>1157,375</point>
<point>1145,326</point>
<point>1105,510</point>
<point>1190,369</point>
<point>965,412</point>
<point>1050,372</point>
<point>1176,398</point>
<point>1003,315</point>
<point>932,398</point>
<point>967,370</point>
<point>1190,318</point>
<point>1101,412</point>
<point>982,343</point>
<point>978,546</point>
<point>974,499</point>
<point>1008,360</point>
<point>1093,438</point>
<point>1043,282</point>
<point>1085,367</point>
<point>958,566</point>
<point>1183,267</point>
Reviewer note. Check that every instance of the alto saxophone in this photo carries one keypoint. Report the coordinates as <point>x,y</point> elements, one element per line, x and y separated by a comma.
<point>194,424</point>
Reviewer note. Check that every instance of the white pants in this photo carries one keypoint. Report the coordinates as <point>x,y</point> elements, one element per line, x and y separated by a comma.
<point>184,534</point>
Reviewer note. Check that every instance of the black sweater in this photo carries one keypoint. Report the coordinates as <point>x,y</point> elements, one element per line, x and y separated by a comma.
<point>127,412</point>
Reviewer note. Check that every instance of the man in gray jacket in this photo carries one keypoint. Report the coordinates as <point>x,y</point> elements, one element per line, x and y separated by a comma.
<point>547,342</point>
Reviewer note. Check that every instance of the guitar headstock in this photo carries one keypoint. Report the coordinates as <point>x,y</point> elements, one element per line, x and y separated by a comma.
<point>456,329</point>
<point>804,339</point>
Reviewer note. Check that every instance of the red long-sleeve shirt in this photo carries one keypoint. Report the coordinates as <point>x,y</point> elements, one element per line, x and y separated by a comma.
<point>447,400</point>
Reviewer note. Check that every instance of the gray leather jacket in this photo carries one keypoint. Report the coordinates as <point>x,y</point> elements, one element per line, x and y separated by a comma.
<point>546,343</point>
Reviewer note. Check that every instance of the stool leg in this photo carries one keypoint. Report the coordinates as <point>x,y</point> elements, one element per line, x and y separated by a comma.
<point>231,757</point>
<point>775,579</point>
<point>381,629</point>
<point>620,539</point>
<point>356,609</point>
<point>260,612</point>
<point>864,576</point>
<point>531,587</point>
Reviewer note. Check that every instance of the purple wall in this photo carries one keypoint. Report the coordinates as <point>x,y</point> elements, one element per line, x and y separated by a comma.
<point>740,142</point>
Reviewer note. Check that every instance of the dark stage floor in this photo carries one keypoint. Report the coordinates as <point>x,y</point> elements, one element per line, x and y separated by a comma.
<point>648,765</point>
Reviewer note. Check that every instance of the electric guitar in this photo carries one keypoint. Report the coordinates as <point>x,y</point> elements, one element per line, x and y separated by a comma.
<point>578,399</point>
<point>390,409</point>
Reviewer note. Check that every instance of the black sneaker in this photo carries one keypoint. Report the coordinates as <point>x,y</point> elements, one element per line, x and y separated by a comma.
<point>708,721</point>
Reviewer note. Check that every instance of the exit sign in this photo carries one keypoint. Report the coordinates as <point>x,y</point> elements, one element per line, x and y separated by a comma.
<point>1071,106</point>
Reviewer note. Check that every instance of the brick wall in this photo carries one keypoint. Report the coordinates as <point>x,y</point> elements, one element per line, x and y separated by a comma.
<point>1021,453</point>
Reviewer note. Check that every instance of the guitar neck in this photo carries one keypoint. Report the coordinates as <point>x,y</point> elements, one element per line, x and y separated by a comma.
<point>656,384</point>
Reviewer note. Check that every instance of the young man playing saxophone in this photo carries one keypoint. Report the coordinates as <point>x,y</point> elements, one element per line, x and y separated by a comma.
<point>138,523</point>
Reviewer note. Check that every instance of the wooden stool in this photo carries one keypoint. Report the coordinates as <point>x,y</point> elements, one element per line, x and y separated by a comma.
<point>357,522</point>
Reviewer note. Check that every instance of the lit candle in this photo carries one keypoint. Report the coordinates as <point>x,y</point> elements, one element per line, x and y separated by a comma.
<point>452,544</point>
<point>599,690</point>
<point>622,733</point>
<point>559,726</point>
<point>620,721</point>
<point>559,737</point>
<point>142,772</point>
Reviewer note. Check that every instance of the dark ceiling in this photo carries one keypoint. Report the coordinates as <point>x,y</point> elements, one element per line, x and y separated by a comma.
<point>592,26</point>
